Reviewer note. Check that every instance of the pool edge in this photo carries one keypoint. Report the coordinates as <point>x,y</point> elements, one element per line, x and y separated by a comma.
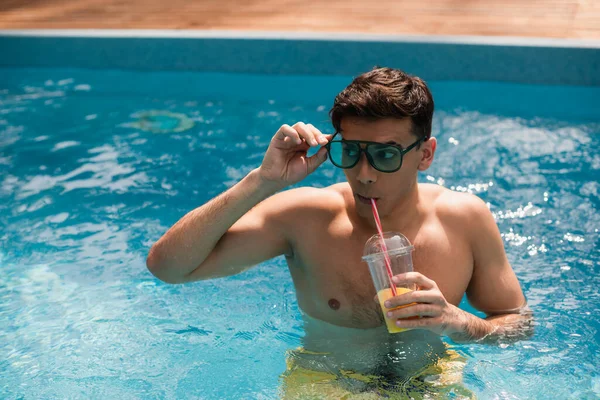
<point>512,59</point>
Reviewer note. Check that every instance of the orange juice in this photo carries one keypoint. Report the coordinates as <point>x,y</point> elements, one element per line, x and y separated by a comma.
<point>385,294</point>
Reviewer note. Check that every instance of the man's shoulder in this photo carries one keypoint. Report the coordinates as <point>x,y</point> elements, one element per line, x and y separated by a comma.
<point>455,206</point>
<point>303,199</point>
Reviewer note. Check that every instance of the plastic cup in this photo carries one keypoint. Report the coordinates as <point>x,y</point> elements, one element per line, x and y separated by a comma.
<point>399,251</point>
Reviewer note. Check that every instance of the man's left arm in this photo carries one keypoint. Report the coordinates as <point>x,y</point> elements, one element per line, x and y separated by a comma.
<point>493,289</point>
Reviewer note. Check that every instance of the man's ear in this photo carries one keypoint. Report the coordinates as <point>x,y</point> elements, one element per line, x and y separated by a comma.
<point>427,152</point>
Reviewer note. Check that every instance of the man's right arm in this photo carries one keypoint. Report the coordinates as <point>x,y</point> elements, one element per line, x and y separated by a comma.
<point>222,237</point>
<point>240,228</point>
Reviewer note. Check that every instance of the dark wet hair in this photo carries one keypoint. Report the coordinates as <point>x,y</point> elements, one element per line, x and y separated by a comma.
<point>386,93</point>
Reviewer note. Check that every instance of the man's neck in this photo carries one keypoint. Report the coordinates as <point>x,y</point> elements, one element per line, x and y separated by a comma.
<point>404,213</point>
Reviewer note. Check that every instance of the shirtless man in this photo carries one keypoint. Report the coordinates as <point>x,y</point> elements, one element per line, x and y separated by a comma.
<point>322,232</point>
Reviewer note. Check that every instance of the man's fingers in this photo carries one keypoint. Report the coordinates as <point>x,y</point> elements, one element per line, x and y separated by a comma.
<point>321,139</point>
<point>328,137</point>
<point>416,296</point>
<point>312,135</point>
<point>302,132</point>
<point>306,133</point>
<point>316,159</point>
<point>287,131</point>
<point>415,277</point>
<point>416,323</point>
<point>417,310</point>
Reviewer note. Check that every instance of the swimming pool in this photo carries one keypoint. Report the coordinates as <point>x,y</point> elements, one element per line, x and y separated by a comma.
<point>92,174</point>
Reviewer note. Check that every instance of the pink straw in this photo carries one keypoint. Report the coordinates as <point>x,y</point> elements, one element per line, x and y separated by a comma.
<point>388,263</point>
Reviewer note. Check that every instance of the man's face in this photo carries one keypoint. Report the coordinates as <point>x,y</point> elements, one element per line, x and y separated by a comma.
<point>367,182</point>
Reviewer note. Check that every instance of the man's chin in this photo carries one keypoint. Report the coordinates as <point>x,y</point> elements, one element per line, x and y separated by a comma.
<point>365,211</point>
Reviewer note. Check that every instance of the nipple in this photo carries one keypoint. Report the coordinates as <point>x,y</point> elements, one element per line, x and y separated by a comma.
<point>334,304</point>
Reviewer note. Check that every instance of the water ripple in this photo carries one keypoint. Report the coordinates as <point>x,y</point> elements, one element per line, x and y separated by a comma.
<point>84,195</point>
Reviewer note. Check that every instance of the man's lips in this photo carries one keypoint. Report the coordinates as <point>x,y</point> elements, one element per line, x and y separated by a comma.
<point>364,199</point>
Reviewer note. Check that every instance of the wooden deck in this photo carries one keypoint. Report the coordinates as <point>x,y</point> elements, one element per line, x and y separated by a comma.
<point>531,18</point>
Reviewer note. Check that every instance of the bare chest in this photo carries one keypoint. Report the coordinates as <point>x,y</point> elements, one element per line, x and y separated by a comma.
<point>335,285</point>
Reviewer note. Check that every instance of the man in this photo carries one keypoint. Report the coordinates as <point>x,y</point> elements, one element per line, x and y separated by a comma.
<point>383,138</point>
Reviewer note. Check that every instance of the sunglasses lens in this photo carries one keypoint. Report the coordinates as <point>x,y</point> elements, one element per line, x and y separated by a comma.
<point>344,154</point>
<point>385,158</point>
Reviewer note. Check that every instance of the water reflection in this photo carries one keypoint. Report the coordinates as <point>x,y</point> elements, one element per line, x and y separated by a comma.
<point>83,197</point>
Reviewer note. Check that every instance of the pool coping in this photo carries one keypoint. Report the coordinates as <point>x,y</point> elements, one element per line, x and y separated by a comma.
<point>300,35</point>
<point>494,58</point>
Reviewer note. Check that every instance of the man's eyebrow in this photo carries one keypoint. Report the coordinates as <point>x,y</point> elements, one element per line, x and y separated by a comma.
<point>392,142</point>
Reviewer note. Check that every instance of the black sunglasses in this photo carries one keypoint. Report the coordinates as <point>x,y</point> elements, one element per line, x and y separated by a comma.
<point>383,157</point>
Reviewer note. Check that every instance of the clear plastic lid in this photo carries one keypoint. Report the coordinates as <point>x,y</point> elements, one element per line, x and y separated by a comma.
<point>395,242</point>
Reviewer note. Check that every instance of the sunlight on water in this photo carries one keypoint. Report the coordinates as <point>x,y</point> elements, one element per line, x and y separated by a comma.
<point>85,190</point>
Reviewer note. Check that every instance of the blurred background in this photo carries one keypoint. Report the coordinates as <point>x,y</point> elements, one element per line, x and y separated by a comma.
<point>541,18</point>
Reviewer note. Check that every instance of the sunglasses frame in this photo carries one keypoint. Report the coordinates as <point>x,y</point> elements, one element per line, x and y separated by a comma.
<point>367,144</point>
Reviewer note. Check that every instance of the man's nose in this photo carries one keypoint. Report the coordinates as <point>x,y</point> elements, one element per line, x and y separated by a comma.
<point>366,173</point>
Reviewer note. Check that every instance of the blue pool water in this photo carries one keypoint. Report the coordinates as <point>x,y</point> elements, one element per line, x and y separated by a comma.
<point>89,179</point>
